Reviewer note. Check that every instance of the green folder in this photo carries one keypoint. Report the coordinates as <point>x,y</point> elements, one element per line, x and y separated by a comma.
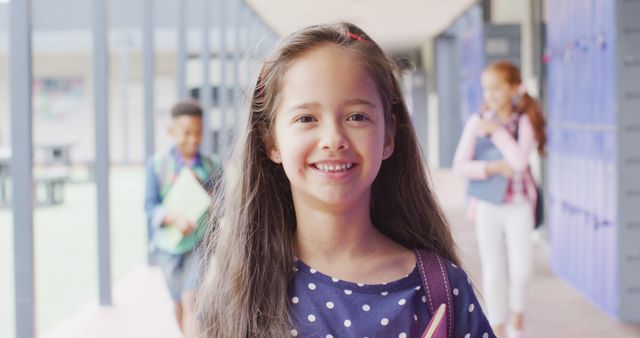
<point>186,198</point>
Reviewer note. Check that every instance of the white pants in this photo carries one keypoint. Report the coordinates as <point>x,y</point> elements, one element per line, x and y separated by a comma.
<point>503,233</point>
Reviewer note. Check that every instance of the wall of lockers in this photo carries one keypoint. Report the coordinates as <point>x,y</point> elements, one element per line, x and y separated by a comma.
<point>462,51</point>
<point>471,61</point>
<point>593,63</point>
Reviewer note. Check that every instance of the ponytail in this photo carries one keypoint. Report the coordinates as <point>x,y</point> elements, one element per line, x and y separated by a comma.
<point>530,106</point>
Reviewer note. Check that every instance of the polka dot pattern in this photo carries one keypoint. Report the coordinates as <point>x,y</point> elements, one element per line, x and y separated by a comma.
<point>325,306</point>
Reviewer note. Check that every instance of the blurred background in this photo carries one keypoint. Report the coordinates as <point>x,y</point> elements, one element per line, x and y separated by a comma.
<point>85,92</point>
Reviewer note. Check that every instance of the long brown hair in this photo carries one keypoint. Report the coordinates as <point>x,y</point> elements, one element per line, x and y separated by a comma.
<point>526,104</point>
<point>249,252</point>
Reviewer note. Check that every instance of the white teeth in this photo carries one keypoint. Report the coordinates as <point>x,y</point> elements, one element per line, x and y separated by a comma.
<point>334,167</point>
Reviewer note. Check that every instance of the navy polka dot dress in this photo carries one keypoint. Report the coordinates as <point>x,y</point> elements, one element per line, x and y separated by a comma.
<point>322,306</point>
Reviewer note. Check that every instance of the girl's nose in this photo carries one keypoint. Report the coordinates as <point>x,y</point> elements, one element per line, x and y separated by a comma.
<point>333,138</point>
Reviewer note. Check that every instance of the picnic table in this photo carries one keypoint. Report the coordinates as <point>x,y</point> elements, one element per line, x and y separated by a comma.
<point>56,153</point>
<point>51,177</point>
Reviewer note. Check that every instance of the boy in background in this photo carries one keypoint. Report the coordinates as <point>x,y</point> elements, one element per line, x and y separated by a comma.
<point>179,262</point>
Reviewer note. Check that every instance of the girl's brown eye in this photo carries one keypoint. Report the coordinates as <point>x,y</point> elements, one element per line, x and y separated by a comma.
<point>305,119</point>
<point>357,117</point>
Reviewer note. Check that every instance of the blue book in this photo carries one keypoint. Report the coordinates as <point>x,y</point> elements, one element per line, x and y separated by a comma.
<point>494,188</point>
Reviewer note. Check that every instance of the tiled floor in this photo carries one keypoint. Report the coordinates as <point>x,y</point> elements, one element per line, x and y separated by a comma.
<point>143,309</point>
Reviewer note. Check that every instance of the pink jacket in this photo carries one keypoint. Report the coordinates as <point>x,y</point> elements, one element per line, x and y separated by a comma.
<point>516,153</point>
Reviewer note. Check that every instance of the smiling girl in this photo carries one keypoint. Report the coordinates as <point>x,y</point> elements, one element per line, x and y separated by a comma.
<point>327,213</point>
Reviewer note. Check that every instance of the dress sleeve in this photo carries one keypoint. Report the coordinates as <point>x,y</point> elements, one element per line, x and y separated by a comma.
<point>469,319</point>
<point>516,152</point>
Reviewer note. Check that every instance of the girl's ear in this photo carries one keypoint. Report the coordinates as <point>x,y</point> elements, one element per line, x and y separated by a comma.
<point>272,151</point>
<point>517,90</point>
<point>389,139</point>
<point>274,155</point>
<point>516,94</point>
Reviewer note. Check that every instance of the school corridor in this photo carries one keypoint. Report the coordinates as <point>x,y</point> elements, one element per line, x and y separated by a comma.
<point>86,95</point>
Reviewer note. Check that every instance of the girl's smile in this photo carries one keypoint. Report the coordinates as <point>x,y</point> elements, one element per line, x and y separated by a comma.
<point>334,169</point>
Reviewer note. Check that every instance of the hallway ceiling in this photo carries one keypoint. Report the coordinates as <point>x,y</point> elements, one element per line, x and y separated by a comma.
<point>396,25</point>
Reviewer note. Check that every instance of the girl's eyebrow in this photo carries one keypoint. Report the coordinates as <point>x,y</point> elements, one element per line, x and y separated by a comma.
<point>305,105</point>
<point>361,101</point>
<point>313,105</point>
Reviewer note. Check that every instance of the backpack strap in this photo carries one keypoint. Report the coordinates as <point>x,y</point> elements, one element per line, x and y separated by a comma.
<point>435,281</point>
<point>165,168</point>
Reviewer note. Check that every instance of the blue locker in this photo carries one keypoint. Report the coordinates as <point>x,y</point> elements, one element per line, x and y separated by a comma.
<point>611,217</point>
<point>599,88</point>
<point>609,49</point>
<point>581,66</point>
<point>600,262</point>
<point>471,59</point>
<point>589,201</point>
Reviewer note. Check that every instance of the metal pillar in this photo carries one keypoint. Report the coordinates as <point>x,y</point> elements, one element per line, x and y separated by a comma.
<point>148,76</point>
<point>237,26</point>
<point>181,66</point>
<point>125,74</point>
<point>205,89</point>
<point>100,78</point>
<point>249,47</point>
<point>21,164</point>
<point>255,66</point>
<point>222,86</point>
